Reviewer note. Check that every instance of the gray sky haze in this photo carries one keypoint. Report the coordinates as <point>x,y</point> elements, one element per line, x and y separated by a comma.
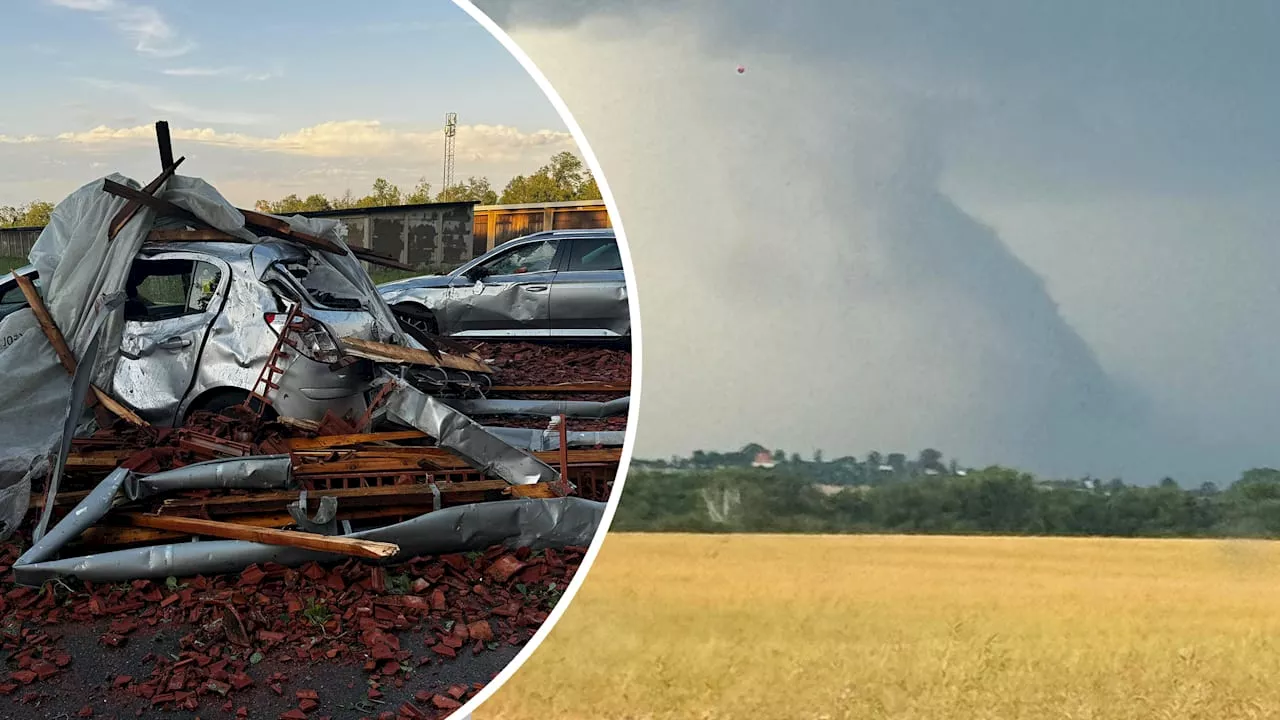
<point>1022,233</point>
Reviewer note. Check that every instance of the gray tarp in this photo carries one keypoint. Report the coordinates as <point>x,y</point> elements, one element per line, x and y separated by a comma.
<point>35,394</point>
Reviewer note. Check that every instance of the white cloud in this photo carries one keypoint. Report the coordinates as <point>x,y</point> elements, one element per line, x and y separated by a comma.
<point>200,72</point>
<point>352,139</point>
<point>142,24</point>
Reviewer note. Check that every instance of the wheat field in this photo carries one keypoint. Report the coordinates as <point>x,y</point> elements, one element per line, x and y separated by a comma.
<point>754,626</point>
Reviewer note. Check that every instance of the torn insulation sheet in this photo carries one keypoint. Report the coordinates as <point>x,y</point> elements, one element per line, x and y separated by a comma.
<point>532,523</point>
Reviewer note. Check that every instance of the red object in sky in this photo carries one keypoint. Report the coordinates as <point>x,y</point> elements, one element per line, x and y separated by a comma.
<point>741,69</point>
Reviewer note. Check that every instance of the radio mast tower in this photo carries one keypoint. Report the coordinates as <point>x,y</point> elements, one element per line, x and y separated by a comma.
<point>450,129</point>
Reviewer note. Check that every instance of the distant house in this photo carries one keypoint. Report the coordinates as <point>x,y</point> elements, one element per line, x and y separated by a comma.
<point>763,460</point>
<point>885,468</point>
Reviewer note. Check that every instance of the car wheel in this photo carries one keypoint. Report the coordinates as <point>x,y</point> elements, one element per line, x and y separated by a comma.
<point>420,319</point>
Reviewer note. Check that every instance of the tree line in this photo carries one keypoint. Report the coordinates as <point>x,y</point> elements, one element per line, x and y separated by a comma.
<point>791,496</point>
<point>875,468</point>
<point>564,178</point>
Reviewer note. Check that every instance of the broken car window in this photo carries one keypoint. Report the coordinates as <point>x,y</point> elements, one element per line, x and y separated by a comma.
<point>595,255</point>
<point>327,287</point>
<point>534,257</point>
<point>162,289</point>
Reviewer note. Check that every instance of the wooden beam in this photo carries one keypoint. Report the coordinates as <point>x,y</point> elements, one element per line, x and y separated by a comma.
<point>63,351</point>
<point>331,441</point>
<point>131,208</point>
<point>419,460</point>
<point>116,408</point>
<point>98,459</point>
<point>382,352</point>
<point>160,205</point>
<point>50,328</point>
<point>270,536</point>
<point>276,227</point>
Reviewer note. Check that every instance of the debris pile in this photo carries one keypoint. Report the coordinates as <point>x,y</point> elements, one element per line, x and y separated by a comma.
<point>438,510</point>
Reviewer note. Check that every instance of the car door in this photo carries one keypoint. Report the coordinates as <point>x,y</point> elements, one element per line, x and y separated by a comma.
<point>173,299</point>
<point>511,296</point>
<point>589,296</point>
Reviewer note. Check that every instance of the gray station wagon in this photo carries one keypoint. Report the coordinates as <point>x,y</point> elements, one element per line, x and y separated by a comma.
<point>554,284</point>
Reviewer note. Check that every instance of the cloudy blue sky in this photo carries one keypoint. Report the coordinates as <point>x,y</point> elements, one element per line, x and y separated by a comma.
<point>1042,234</point>
<point>264,98</point>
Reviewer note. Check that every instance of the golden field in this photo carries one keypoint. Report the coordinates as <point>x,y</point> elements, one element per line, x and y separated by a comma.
<point>756,626</point>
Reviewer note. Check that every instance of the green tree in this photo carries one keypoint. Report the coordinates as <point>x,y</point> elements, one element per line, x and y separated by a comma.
<point>564,178</point>
<point>474,188</point>
<point>33,214</point>
<point>421,193</point>
<point>291,204</point>
<point>385,194</point>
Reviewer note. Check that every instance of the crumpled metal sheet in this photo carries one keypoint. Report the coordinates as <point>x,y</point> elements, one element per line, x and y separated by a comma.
<point>464,436</point>
<point>260,472</point>
<point>549,408</point>
<point>543,440</point>
<point>524,522</point>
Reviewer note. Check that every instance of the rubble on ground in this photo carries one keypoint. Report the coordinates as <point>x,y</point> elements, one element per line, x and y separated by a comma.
<point>389,621</point>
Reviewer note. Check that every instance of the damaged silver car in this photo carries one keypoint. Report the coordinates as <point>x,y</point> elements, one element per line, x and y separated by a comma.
<point>555,284</point>
<point>202,319</point>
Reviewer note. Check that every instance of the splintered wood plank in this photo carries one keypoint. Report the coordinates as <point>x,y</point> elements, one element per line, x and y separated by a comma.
<point>270,536</point>
<point>276,227</point>
<point>98,459</point>
<point>329,441</point>
<point>382,352</point>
